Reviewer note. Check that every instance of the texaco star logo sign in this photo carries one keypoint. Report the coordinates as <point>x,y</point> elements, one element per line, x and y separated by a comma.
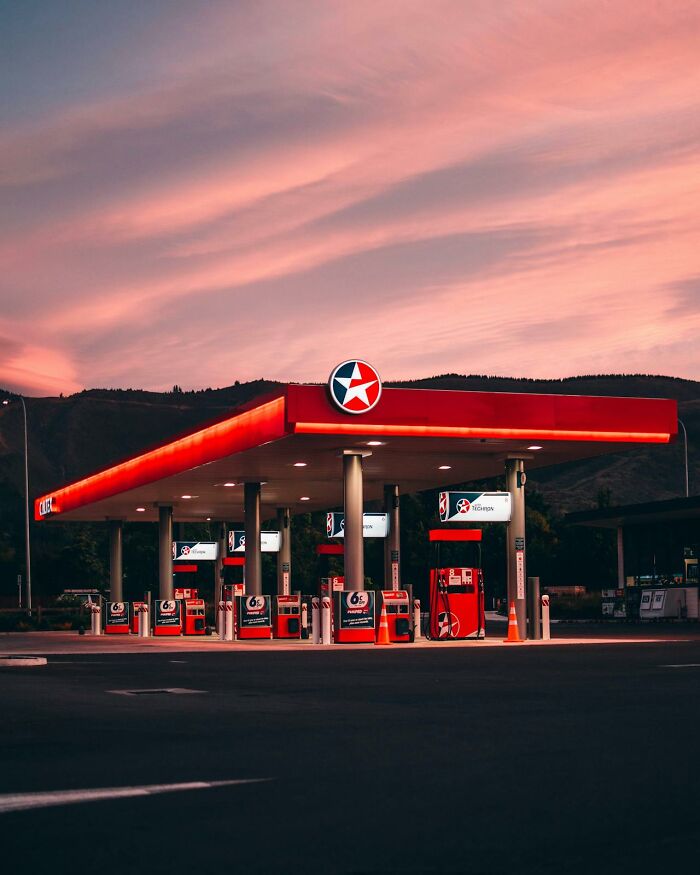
<point>355,386</point>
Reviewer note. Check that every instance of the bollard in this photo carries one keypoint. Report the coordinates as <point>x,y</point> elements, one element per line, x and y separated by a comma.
<point>304,620</point>
<point>316,620</point>
<point>96,619</point>
<point>416,619</point>
<point>534,605</point>
<point>326,620</point>
<point>221,620</point>
<point>228,629</point>
<point>144,622</point>
<point>545,618</point>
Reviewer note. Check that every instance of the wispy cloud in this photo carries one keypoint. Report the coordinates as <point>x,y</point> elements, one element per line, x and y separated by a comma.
<point>489,187</point>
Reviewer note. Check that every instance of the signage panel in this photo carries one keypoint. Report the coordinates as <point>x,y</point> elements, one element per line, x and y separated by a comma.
<point>269,541</point>
<point>374,525</point>
<point>167,612</point>
<point>357,609</point>
<point>254,610</point>
<point>490,507</point>
<point>117,614</point>
<point>196,551</point>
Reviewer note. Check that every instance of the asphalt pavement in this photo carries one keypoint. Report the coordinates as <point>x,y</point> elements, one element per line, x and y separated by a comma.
<point>386,760</point>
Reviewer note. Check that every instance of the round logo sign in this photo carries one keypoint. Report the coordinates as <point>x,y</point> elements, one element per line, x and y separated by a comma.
<point>355,386</point>
<point>357,600</point>
<point>463,505</point>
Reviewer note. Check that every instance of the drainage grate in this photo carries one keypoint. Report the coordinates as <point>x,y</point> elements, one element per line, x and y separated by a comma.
<point>164,691</point>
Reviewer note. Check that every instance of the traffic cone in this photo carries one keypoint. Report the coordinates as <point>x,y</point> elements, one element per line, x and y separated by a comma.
<point>513,634</point>
<point>383,637</point>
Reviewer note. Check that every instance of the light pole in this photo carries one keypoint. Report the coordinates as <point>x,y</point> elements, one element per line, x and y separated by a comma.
<point>27,543</point>
<point>685,443</point>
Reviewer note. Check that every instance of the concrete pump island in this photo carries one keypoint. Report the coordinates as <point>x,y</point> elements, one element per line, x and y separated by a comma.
<point>322,447</point>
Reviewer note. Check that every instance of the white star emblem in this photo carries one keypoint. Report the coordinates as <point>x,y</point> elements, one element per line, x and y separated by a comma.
<point>359,391</point>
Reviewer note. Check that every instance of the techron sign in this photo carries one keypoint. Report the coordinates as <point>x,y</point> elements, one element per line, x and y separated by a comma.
<point>487,507</point>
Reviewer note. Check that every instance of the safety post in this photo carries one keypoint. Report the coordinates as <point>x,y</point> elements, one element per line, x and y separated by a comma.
<point>416,619</point>
<point>228,622</point>
<point>534,632</point>
<point>326,621</point>
<point>144,621</point>
<point>316,620</point>
<point>221,619</point>
<point>304,620</point>
<point>545,618</point>
<point>96,619</point>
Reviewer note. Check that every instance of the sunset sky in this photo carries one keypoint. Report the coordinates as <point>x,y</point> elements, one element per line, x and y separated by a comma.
<point>199,192</point>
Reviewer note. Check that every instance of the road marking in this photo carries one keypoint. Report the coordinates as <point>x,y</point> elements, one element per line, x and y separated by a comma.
<point>176,691</point>
<point>25,801</point>
<point>682,665</point>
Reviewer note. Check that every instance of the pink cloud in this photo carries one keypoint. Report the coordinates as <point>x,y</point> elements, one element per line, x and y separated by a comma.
<point>288,166</point>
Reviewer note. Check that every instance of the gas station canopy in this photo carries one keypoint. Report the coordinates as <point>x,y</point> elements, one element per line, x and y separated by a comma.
<point>292,442</point>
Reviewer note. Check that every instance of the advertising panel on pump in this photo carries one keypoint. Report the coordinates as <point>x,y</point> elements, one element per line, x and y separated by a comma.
<point>357,609</point>
<point>117,614</point>
<point>254,611</point>
<point>488,507</point>
<point>167,612</point>
<point>269,541</point>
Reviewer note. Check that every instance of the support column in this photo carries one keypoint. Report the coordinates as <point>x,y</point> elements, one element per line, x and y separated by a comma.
<point>353,507</point>
<point>515,540</point>
<point>392,543</point>
<point>253,569</point>
<point>284,557</point>
<point>620,558</point>
<point>220,529</point>
<point>116,590</point>
<point>165,552</point>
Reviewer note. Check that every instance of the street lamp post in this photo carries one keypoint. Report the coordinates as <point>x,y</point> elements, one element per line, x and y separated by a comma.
<point>27,543</point>
<point>685,445</point>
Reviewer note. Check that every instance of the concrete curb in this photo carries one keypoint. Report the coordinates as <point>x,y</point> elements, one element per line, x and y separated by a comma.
<point>22,661</point>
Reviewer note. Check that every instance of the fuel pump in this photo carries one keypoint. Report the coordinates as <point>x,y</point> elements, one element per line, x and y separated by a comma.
<point>456,593</point>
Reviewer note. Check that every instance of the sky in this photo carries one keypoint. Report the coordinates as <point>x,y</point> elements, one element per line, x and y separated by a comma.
<point>195,193</point>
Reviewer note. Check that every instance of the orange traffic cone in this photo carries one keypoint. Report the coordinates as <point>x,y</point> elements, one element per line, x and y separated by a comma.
<point>513,634</point>
<point>383,637</point>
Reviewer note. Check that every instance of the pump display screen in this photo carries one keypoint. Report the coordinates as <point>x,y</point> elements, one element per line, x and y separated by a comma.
<point>457,579</point>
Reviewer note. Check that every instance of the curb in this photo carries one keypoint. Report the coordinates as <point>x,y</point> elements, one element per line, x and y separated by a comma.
<point>22,661</point>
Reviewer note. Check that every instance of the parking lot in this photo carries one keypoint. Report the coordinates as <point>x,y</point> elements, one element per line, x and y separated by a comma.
<point>438,759</point>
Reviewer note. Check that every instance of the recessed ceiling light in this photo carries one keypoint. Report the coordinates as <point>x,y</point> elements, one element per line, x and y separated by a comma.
<point>376,443</point>
<point>300,464</point>
<point>229,484</point>
<point>186,496</point>
<point>444,467</point>
<point>534,447</point>
<point>208,519</point>
<point>304,498</point>
<point>140,509</point>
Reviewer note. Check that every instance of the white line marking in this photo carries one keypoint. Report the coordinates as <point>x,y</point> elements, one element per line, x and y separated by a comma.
<point>25,801</point>
<point>178,691</point>
<point>682,665</point>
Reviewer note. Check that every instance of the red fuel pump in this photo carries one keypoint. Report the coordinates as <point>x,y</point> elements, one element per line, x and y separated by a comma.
<point>398,613</point>
<point>194,617</point>
<point>456,593</point>
<point>286,616</point>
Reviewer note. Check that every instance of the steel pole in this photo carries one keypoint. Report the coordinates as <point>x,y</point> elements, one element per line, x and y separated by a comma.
<point>353,505</point>
<point>27,542</point>
<point>685,445</point>
<point>165,552</point>
<point>392,543</point>
<point>535,608</point>
<point>253,568</point>
<point>284,557</point>
<point>116,577</point>
<point>515,540</point>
